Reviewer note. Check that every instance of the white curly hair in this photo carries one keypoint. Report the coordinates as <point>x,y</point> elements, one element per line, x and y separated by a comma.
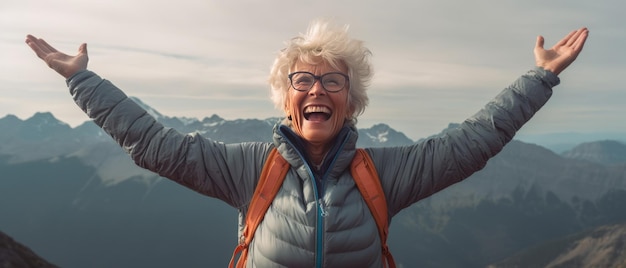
<point>331,43</point>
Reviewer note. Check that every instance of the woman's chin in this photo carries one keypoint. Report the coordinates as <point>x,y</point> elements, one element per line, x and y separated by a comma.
<point>319,131</point>
<point>317,135</point>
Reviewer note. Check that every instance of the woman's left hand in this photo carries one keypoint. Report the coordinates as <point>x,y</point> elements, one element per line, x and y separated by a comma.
<point>563,53</point>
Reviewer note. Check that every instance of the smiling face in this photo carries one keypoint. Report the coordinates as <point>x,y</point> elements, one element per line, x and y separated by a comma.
<point>318,115</point>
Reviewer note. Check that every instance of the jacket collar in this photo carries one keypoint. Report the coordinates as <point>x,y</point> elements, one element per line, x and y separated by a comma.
<point>338,159</point>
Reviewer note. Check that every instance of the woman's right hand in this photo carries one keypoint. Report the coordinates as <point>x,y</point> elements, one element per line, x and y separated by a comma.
<point>563,53</point>
<point>62,63</point>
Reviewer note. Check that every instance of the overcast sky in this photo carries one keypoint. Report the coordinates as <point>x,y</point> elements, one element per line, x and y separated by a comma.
<point>436,62</point>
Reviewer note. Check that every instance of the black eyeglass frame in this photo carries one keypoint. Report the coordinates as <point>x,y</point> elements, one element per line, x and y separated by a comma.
<point>317,78</point>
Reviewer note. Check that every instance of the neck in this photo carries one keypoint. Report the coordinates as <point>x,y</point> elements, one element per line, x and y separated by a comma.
<point>316,152</point>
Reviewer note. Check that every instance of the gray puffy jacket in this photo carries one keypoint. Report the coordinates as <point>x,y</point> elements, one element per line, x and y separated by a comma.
<point>318,218</point>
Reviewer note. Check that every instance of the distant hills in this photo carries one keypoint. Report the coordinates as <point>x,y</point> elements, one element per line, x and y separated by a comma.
<point>599,247</point>
<point>564,141</point>
<point>75,198</point>
<point>603,152</point>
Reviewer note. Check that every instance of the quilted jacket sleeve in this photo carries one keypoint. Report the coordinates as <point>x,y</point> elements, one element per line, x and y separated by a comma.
<point>411,173</point>
<point>224,171</point>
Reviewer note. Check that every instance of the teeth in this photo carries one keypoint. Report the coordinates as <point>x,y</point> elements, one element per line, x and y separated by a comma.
<point>317,109</point>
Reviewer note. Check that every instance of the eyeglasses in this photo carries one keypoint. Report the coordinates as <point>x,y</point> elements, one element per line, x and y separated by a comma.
<point>331,82</point>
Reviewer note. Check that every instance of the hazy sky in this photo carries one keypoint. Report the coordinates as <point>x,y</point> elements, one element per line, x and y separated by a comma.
<point>436,62</point>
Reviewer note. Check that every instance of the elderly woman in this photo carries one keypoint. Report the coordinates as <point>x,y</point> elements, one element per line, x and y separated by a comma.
<point>318,217</point>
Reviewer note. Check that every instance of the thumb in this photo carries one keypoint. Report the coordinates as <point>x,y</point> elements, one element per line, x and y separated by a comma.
<point>83,48</point>
<point>539,44</point>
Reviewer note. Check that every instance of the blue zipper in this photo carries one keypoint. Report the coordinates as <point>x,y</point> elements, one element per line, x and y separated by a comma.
<point>321,212</point>
<point>319,244</point>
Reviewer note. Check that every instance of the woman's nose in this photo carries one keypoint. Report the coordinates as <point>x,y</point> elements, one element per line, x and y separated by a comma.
<point>317,88</point>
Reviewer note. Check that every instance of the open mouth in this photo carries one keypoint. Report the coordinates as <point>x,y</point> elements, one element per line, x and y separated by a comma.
<point>317,113</point>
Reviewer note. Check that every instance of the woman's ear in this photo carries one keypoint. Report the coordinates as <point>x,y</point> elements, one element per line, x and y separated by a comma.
<point>350,112</point>
<point>286,109</point>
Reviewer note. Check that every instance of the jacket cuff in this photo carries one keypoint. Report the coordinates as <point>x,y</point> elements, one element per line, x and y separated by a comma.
<point>78,77</point>
<point>547,77</point>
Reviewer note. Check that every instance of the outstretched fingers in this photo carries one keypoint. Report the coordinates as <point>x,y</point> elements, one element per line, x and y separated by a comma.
<point>47,46</point>
<point>34,44</point>
<point>575,40</point>
<point>581,38</point>
<point>570,38</point>
<point>565,40</point>
<point>41,47</point>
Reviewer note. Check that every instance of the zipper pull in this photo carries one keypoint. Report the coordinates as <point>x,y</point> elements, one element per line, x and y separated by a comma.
<point>323,211</point>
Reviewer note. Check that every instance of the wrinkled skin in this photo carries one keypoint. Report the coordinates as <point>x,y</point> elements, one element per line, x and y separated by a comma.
<point>319,129</point>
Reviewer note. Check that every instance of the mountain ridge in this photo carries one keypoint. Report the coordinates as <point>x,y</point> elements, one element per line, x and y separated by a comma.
<point>76,194</point>
<point>598,247</point>
<point>560,142</point>
<point>14,254</point>
<point>605,151</point>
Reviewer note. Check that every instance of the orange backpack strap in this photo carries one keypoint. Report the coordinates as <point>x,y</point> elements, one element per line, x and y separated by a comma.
<point>366,179</point>
<point>272,177</point>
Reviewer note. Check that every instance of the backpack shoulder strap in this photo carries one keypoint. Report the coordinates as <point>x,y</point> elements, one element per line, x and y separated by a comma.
<point>368,182</point>
<point>276,167</point>
<point>272,177</point>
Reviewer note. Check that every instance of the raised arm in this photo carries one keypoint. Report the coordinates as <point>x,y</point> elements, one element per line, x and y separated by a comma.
<point>411,173</point>
<point>226,172</point>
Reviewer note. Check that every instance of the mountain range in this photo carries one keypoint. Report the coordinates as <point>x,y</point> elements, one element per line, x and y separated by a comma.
<point>75,198</point>
<point>599,247</point>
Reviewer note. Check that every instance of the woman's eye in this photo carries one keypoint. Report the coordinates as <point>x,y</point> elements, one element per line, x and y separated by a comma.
<point>303,81</point>
<point>331,82</point>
